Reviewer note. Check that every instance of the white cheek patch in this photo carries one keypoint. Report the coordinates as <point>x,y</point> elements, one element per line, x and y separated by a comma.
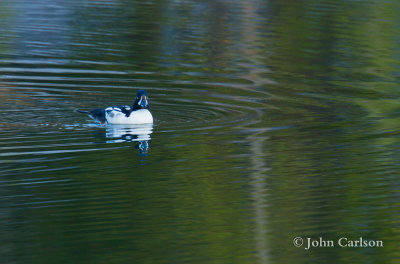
<point>140,100</point>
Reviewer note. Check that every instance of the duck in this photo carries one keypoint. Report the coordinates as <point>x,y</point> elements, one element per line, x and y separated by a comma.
<point>137,114</point>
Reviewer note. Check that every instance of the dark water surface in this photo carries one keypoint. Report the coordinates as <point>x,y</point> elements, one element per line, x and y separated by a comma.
<point>273,120</point>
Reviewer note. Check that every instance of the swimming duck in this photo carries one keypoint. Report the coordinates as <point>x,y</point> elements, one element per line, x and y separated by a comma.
<point>124,114</point>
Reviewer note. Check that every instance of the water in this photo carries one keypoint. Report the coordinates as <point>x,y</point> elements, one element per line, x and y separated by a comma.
<point>273,120</point>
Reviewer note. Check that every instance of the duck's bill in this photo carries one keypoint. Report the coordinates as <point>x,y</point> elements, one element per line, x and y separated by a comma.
<point>143,102</point>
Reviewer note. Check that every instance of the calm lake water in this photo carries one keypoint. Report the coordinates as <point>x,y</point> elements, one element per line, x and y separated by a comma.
<point>273,120</point>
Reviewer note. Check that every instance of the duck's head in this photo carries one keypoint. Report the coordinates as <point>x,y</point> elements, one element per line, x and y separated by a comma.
<point>141,101</point>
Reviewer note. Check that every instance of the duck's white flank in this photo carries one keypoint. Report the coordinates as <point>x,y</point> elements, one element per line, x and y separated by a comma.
<point>141,116</point>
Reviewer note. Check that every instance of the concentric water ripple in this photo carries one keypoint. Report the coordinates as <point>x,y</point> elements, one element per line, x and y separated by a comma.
<point>43,102</point>
<point>38,96</point>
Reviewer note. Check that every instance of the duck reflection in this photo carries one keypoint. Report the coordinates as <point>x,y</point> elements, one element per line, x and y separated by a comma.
<point>140,134</point>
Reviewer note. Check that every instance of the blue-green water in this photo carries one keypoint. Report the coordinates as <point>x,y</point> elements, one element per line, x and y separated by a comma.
<point>273,120</point>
